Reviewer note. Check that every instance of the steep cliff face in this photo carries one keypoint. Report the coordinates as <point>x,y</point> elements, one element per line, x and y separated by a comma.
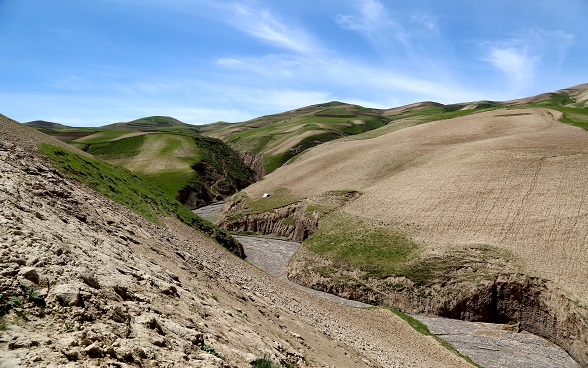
<point>533,304</point>
<point>291,222</point>
<point>295,221</point>
<point>221,172</point>
<point>254,162</point>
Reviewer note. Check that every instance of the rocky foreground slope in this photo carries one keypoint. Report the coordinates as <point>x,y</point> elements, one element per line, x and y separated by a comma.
<point>86,282</point>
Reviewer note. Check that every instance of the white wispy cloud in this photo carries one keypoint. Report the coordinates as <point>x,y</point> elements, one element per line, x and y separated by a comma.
<point>380,86</point>
<point>521,56</point>
<point>269,66</point>
<point>264,25</point>
<point>426,22</point>
<point>373,21</point>
<point>515,62</point>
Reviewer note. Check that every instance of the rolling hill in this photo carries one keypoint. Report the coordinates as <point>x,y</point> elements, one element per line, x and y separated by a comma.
<point>277,138</point>
<point>263,144</point>
<point>154,124</point>
<point>167,153</point>
<point>194,169</point>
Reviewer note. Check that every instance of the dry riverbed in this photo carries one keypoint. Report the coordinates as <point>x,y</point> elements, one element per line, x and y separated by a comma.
<point>487,344</point>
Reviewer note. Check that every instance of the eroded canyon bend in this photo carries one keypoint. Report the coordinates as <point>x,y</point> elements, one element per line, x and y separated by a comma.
<point>488,344</point>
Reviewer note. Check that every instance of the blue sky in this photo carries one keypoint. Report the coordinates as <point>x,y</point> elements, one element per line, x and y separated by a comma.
<point>90,63</point>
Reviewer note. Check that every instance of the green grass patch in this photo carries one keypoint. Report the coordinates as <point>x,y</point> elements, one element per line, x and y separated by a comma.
<point>127,147</point>
<point>556,100</point>
<point>272,162</point>
<point>171,181</point>
<point>433,113</point>
<point>380,252</point>
<point>279,198</point>
<point>122,186</point>
<point>319,208</point>
<point>247,205</point>
<point>290,220</point>
<point>421,328</point>
<point>266,362</point>
<point>252,132</point>
<point>172,143</point>
<point>374,249</point>
<point>210,350</point>
<point>337,112</point>
<point>573,116</point>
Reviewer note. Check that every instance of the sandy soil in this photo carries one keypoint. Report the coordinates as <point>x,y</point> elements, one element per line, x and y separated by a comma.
<point>510,178</point>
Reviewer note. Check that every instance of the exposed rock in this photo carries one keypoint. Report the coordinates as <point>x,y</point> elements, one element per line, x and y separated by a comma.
<point>254,162</point>
<point>533,304</point>
<point>90,278</point>
<point>29,273</point>
<point>67,294</point>
<point>195,196</point>
<point>296,221</point>
<point>290,222</point>
<point>94,350</point>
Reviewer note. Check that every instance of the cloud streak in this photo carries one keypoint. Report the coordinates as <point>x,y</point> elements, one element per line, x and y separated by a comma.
<point>265,26</point>
<point>520,57</point>
<point>516,64</point>
<point>373,21</point>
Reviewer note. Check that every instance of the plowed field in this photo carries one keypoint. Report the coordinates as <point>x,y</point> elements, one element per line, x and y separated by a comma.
<point>515,179</point>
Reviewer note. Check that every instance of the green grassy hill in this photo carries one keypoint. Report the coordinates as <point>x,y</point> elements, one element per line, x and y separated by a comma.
<point>42,124</point>
<point>166,152</point>
<point>194,169</point>
<point>280,137</point>
<point>154,124</point>
<point>197,170</point>
<point>62,132</point>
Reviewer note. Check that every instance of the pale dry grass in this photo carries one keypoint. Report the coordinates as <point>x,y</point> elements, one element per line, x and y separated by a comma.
<point>130,135</point>
<point>290,142</point>
<point>514,179</point>
<point>156,155</point>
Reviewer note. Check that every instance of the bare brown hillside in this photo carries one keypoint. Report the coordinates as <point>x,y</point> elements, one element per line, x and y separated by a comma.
<point>513,178</point>
<point>494,201</point>
<point>89,283</point>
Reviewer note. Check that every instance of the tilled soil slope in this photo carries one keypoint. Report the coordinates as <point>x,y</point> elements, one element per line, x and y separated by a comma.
<point>89,283</point>
<point>511,178</point>
<point>507,182</point>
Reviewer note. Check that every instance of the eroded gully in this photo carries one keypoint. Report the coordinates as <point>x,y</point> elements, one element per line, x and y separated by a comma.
<point>489,345</point>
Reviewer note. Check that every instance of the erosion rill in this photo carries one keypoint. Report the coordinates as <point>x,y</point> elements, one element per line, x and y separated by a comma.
<point>531,304</point>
